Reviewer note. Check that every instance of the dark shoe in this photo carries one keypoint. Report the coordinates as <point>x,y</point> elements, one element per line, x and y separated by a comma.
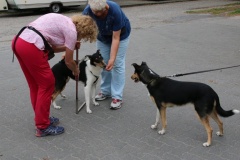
<point>50,131</point>
<point>54,121</point>
<point>116,104</point>
<point>101,97</point>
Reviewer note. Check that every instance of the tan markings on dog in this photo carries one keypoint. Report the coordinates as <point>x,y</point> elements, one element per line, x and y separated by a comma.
<point>205,122</point>
<point>56,93</point>
<point>208,128</point>
<point>100,64</point>
<point>215,117</point>
<point>163,117</point>
<point>135,77</point>
<point>162,114</point>
<point>167,104</point>
<point>153,100</point>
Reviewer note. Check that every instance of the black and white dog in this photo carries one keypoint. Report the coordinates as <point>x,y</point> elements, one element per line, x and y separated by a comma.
<point>90,69</point>
<point>166,92</point>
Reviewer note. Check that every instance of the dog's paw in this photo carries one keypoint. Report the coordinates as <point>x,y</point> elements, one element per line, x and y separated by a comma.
<point>162,131</point>
<point>154,126</point>
<point>57,107</point>
<point>89,111</point>
<point>63,96</point>
<point>95,103</point>
<point>206,144</point>
<point>219,133</point>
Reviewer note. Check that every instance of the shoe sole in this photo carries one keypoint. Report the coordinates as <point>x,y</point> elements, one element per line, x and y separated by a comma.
<point>101,99</point>
<point>116,108</point>
<point>44,135</point>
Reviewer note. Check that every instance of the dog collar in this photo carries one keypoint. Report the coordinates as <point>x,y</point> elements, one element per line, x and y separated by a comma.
<point>145,77</point>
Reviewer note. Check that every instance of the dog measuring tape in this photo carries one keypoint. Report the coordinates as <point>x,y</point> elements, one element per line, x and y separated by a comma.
<point>78,108</point>
<point>184,74</point>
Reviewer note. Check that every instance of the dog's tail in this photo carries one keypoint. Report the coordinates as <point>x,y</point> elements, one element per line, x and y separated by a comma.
<point>224,113</point>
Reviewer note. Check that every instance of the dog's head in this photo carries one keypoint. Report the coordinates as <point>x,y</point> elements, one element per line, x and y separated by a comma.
<point>143,73</point>
<point>96,59</point>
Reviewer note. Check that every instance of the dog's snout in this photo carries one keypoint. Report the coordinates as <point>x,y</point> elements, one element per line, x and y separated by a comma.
<point>135,77</point>
<point>132,77</point>
<point>104,65</point>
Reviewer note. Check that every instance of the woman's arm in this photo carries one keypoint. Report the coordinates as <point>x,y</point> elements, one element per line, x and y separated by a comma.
<point>58,49</point>
<point>77,46</point>
<point>71,64</point>
<point>114,49</point>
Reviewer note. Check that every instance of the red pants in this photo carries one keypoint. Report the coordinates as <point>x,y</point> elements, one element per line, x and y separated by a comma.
<point>40,79</point>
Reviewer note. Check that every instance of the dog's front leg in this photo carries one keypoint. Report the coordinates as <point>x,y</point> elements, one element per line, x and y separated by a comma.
<point>154,126</point>
<point>87,91</point>
<point>93,95</point>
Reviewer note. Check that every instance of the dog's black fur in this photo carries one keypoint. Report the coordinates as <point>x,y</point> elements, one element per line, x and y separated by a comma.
<point>90,68</point>
<point>166,92</point>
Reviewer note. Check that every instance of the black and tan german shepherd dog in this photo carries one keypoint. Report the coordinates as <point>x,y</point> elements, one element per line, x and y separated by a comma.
<point>166,92</point>
<point>90,69</point>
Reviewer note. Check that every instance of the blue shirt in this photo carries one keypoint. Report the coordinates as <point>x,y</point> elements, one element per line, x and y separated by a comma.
<point>114,21</point>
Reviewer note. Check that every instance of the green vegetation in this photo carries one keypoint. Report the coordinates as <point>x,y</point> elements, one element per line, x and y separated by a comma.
<point>227,10</point>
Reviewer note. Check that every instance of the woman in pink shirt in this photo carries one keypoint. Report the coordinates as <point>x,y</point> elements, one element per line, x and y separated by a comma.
<point>61,33</point>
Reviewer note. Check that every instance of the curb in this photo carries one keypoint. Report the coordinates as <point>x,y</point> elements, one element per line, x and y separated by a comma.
<point>142,3</point>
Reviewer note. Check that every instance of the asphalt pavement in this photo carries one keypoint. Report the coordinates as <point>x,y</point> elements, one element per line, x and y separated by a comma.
<point>170,41</point>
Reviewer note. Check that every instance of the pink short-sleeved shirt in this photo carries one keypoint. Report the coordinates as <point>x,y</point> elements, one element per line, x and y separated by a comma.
<point>57,29</point>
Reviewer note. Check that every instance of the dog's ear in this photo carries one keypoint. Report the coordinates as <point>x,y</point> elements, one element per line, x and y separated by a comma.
<point>98,53</point>
<point>144,63</point>
<point>87,57</point>
<point>135,65</point>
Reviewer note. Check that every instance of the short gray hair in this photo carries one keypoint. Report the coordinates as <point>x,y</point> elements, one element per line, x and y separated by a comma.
<point>97,5</point>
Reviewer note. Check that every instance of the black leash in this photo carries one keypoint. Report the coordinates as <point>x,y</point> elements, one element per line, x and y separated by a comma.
<point>184,74</point>
<point>95,77</point>
<point>47,46</point>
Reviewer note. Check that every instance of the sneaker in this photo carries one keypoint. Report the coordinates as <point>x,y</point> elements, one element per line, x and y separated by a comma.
<point>54,121</point>
<point>101,97</point>
<point>116,104</point>
<point>50,131</point>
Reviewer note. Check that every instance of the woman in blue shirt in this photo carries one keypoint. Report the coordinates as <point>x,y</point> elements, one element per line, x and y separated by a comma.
<point>113,40</point>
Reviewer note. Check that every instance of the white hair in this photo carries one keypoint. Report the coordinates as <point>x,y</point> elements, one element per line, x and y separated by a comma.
<point>97,5</point>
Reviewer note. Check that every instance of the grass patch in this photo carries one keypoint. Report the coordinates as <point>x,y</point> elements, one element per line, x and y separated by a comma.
<point>226,10</point>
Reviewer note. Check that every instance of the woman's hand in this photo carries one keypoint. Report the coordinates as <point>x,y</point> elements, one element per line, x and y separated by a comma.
<point>71,64</point>
<point>110,65</point>
<point>78,45</point>
<point>76,72</point>
<point>114,49</point>
<point>63,55</point>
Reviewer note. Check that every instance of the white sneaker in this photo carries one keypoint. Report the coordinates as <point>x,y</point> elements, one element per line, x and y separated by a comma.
<point>116,104</point>
<point>101,97</point>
